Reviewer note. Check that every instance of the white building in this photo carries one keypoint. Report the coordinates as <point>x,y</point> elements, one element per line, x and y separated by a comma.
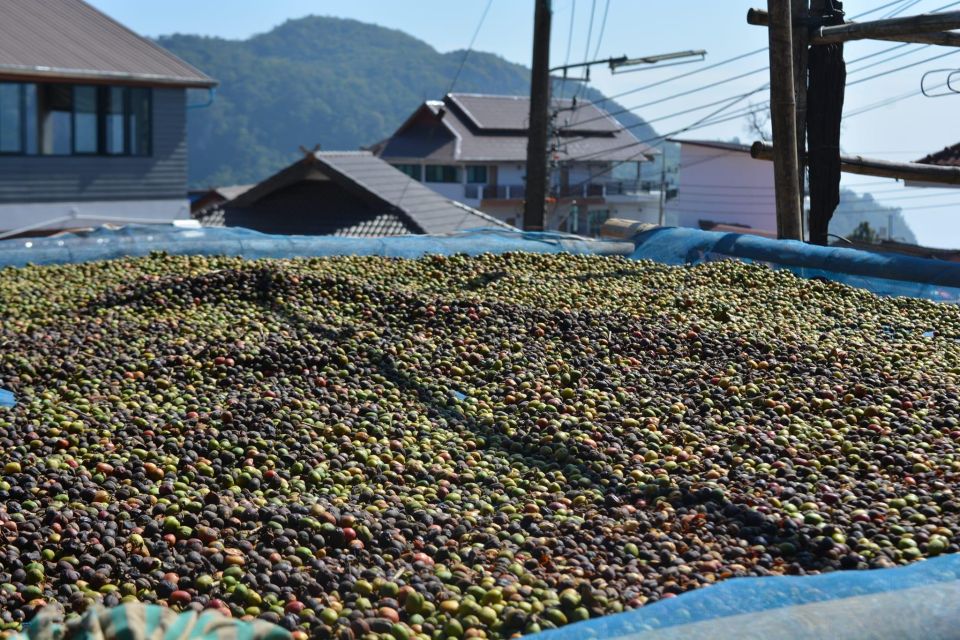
<point>720,185</point>
<point>473,148</point>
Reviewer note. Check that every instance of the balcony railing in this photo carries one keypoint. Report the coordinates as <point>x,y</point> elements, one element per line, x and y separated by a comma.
<point>586,190</point>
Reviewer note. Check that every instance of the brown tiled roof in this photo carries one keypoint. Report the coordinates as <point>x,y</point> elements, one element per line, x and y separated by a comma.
<point>947,157</point>
<point>482,128</point>
<point>69,39</point>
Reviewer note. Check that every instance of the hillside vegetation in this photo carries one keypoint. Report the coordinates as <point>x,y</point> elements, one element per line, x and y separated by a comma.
<point>339,83</point>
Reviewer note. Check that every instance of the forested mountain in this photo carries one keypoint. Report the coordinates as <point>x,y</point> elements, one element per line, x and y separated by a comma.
<point>329,81</point>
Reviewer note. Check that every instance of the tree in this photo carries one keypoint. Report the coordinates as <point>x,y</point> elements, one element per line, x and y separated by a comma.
<point>758,124</point>
<point>865,233</point>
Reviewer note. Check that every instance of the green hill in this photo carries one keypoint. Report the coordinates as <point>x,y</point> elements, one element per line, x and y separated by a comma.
<point>329,81</point>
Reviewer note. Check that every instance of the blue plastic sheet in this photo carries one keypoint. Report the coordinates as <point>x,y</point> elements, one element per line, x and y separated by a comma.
<point>883,274</point>
<point>7,399</point>
<point>921,600</point>
<point>105,244</point>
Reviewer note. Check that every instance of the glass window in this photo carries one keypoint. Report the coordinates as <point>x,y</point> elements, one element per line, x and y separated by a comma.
<point>64,119</point>
<point>85,121</point>
<point>30,123</point>
<point>114,121</point>
<point>11,118</point>
<point>412,170</point>
<point>441,173</point>
<point>56,105</point>
<point>477,175</point>
<point>139,121</point>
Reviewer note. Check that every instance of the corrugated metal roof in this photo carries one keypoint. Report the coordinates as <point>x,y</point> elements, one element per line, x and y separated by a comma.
<point>948,157</point>
<point>455,135</point>
<point>69,39</point>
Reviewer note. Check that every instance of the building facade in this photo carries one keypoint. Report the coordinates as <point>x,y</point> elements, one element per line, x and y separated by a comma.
<point>721,185</point>
<point>472,148</point>
<point>93,122</point>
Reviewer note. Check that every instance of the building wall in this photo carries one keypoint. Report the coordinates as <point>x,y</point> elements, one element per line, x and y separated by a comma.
<point>75,179</point>
<point>724,187</point>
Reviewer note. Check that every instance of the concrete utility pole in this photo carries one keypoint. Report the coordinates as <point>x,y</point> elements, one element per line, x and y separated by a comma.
<point>533,209</point>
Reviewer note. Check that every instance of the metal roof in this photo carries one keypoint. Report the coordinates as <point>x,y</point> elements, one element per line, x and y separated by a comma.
<point>423,206</point>
<point>69,39</point>
<point>512,113</point>
<point>481,128</point>
<point>398,203</point>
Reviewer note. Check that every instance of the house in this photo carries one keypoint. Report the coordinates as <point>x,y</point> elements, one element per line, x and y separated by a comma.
<point>721,185</point>
<point>946,157</point>
<point>344,193</point>
<point>473,148</point>
<point>92,120</point>
<point>203,199</point>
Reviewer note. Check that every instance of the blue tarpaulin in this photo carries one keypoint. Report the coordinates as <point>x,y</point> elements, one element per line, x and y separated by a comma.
<point>884,274</point>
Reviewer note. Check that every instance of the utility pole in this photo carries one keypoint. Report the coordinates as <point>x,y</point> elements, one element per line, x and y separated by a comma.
<point>537,138</point>
<point>663,188</point>
<point>783,108</point>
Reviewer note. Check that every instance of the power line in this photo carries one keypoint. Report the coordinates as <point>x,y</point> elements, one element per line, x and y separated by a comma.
<point>603,28</point>
<point>682,75</point>
<point>903,68</point>
<point>880,8</point>
<point>897,12</point>
<point>466,53</point>
<point>733,79</point>
<point>586,52</point>
<point>566,60</point>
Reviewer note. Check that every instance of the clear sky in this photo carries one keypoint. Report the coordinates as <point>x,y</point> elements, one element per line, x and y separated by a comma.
<point>903,130</point>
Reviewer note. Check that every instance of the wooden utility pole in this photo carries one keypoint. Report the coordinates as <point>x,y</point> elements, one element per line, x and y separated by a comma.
<point>825,93</point>
<point>537,138</point>
<point>878,168</point>
<point>801,49</point>
<point>783,112</point>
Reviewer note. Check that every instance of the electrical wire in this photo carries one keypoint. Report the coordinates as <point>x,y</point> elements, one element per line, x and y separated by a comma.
<point>566,59</point>
<point>709,121</point>
<point>897,12</point>
<point>466,53</point>
<point>586,52</point>
<point>603,28</point>
<point>735,78</point>
<point>904,67</point>
<point>880,8</point>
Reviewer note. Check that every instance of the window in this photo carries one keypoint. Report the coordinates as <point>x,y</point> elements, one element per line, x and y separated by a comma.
<point>139,122</point>
<point>441,173</point>
<point>477,175</point>
<point>11,118</point>
<point>56,119</point>
<point>85,124</point>
<point>64,119</point>
<point>114,123</point>
<point>412,170</point>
